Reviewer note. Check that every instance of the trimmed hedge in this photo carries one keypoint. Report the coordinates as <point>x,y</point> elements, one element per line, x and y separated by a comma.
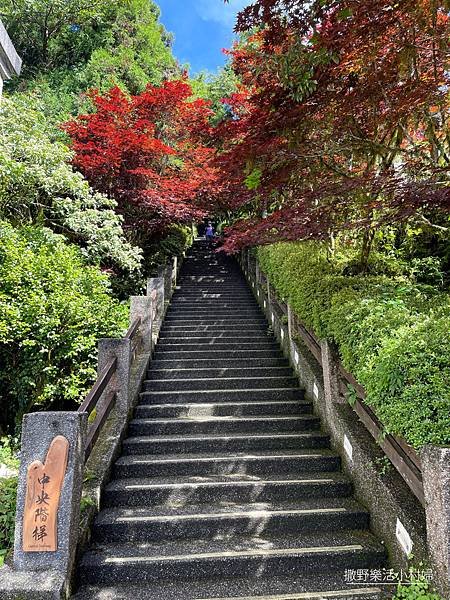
<point>392,333</point>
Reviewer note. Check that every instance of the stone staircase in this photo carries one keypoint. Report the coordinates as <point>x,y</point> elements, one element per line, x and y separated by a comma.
<point>226,487</point>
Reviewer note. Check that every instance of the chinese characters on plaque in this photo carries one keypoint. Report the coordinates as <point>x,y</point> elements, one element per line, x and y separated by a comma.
<point>44,484</point>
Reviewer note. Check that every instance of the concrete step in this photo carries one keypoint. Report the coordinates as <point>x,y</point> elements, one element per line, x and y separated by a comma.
<point>141,492</point>
<point>235,311</point>
<point>224,409</point>
<point>199,304</point>
<point>210,425</point>
<point>238,395</point>
<point>210,345</point>
<point>225,282</point>
<point>210,319</point>
<point>226,363</point>
<point>233,442</point>
<point>178,321</point>
<point>192,559</point>
<point>218,372</point>
<point>224,383</point>
<point>232,463</point>
<point>208,522</point>
<point>219,302</point>
<point>216,299</point>
<point>256,326</point>
<point>212,288</point>
<point>215,354</point>
<point>212,338</point>
<point>309,586</point>
<point>198,314</point>
<point>216,334</point>
<point>218,313</point>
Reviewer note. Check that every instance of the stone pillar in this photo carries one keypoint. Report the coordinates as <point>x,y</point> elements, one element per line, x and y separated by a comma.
<point>330,369</point>
<point>257,278</point>
<point>155,289</point>
<point>436,482</point>
<point>270,311</point>
<point>38,431</point>
<point>142,307</point>
<point>290,321</point>
<point>166,274</point>
<point>293,352</point>
<point>108,349</point>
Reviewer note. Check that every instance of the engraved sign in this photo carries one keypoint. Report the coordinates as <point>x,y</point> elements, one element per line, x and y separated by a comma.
<point>44,483</point>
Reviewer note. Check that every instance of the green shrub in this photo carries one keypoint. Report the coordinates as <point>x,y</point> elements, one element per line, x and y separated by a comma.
<point>8,491</point>
<point>418,590</point>
<point>53,310</point>
<point>393,333</point>
<point>408,382</point>
<point>160,250</point>
<point>39,185</point>
<point>7,455</point>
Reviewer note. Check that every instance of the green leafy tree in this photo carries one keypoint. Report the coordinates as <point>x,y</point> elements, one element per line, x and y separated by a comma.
<point>216,87</point>
<point>54,33</point>
<point>38,185</point>
<point>138,51</point>
<point>79,44</point>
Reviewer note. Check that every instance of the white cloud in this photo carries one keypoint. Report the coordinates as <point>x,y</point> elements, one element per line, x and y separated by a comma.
<point>218,11</point>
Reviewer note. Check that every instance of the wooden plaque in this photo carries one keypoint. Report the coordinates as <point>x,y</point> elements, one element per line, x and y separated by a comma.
<point>44,484</point>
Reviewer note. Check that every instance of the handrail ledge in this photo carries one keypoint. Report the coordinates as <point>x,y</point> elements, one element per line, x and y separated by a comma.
<point>133,329</point>
<point>99,387</point>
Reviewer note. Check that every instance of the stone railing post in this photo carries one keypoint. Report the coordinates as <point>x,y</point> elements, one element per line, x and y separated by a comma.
<point>142,308</point>
<point>44,569</point>
<point>257,275</point>
<point>290,323</point>
<point>293,352</point>
<point>155,289</point>
<point>167,274</point>
<point>436,482</point>
<point>330,369</point>
<point>108,349</point>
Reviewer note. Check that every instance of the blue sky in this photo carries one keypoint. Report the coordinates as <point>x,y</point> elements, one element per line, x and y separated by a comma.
<point>201,28</point>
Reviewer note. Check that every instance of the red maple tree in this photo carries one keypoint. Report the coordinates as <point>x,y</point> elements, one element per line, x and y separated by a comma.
<point>149,152</point>
<point>343,117</point>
